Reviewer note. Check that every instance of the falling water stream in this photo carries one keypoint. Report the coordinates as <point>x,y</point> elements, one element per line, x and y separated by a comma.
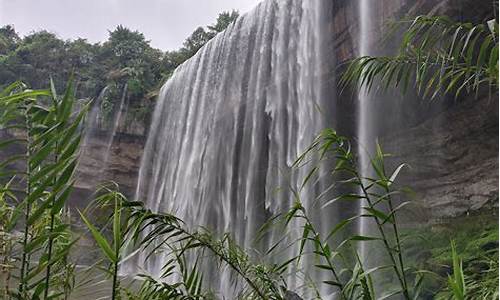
<point>116,122</point>
<point>92,122</point>
<point>96,130</point>
<point>231,121</point>
<point>365,122</point>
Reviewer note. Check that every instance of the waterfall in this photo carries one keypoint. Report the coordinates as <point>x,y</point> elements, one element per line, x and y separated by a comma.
<point>232,120</point>
<point>117,121</point>
<point>99,137</point>
<point>92,122</point>
<point>92,125</point>
<point>366,110</point>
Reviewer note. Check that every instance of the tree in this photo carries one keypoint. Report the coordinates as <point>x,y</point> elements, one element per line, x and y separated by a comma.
<point>8,39</point>
<point>196,40</point>
<point>125,59</point>
<point>38,57</point>
<point>225,19</point>
<point>126,44</point>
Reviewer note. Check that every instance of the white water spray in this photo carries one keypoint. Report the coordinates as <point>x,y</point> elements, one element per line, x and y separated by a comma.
<point>229,125</point>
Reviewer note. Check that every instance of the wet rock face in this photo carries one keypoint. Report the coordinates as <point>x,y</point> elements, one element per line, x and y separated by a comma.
<point>345,22</point>
<point>122,164</point>
<point>452,146</point>
<point>453,159</point>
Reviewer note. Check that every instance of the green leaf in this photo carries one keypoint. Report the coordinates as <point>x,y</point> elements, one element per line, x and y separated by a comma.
<point>339,226</point>
<point>334,283</point>
<point>70,132</point>
<point>67,101</point>
<point>396,173</point>
<point>67,173</point>
<point>34,243</point>
<point>378,214</point>
<point>117,226</point>
<point>39,212</point>
<point>39,156</point>
<point>24,95</point>
<point>61,199</point>
<point>324,267</point>
<point>53,90</point>
<point>101,241</point>
<point>72,148</point>
<point>457,282</point>
<point>363,238</point>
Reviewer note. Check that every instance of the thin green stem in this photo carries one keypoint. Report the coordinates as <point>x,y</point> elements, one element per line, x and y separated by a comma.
<point>398,241</point>
<point>223,257</point>
<point>324,251</point>
<point>115,281</point>
<point>385,240</point>
<point>49,257</point>
<point>51,237</point>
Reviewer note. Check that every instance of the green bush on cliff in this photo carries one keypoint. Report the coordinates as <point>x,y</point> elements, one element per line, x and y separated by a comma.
<point>126,57</point>
<point>476,239</point>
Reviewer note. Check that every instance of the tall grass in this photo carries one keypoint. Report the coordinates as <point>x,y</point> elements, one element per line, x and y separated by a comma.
<point>47,128</point>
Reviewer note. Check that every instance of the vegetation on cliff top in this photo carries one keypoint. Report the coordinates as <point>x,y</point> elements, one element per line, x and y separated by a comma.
<point>125,58</point>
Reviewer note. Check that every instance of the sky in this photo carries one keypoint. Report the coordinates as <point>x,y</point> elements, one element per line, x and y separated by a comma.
<point>166,23</point>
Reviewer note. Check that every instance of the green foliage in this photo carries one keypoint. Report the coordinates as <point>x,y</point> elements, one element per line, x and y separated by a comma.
<point>50,138</point>
<point>126,45</point>
<point>159,232</point>
<point>476,242</point>
<point>198,39</point>
<point>376,198</point>
<point>437,54</point>
<point>8,39</point>
<point>456,282</point>
<point>114,249</point>
<point>125,58</point>
<point>223,21</point>
<point>335,253</point>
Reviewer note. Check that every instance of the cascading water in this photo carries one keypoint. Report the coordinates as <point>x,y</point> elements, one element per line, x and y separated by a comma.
<point>92,122</point>
<point>98,135</point>
<point>117,121</point>
<point>232,120</point>
<point>366,109</point>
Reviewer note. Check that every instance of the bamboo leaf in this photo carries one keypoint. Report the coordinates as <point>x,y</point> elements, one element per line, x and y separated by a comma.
<point>395,174</point>
<point>378,214</point>
<point>101,241</point>
<point>62,198</point>
<point>117,226</point>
